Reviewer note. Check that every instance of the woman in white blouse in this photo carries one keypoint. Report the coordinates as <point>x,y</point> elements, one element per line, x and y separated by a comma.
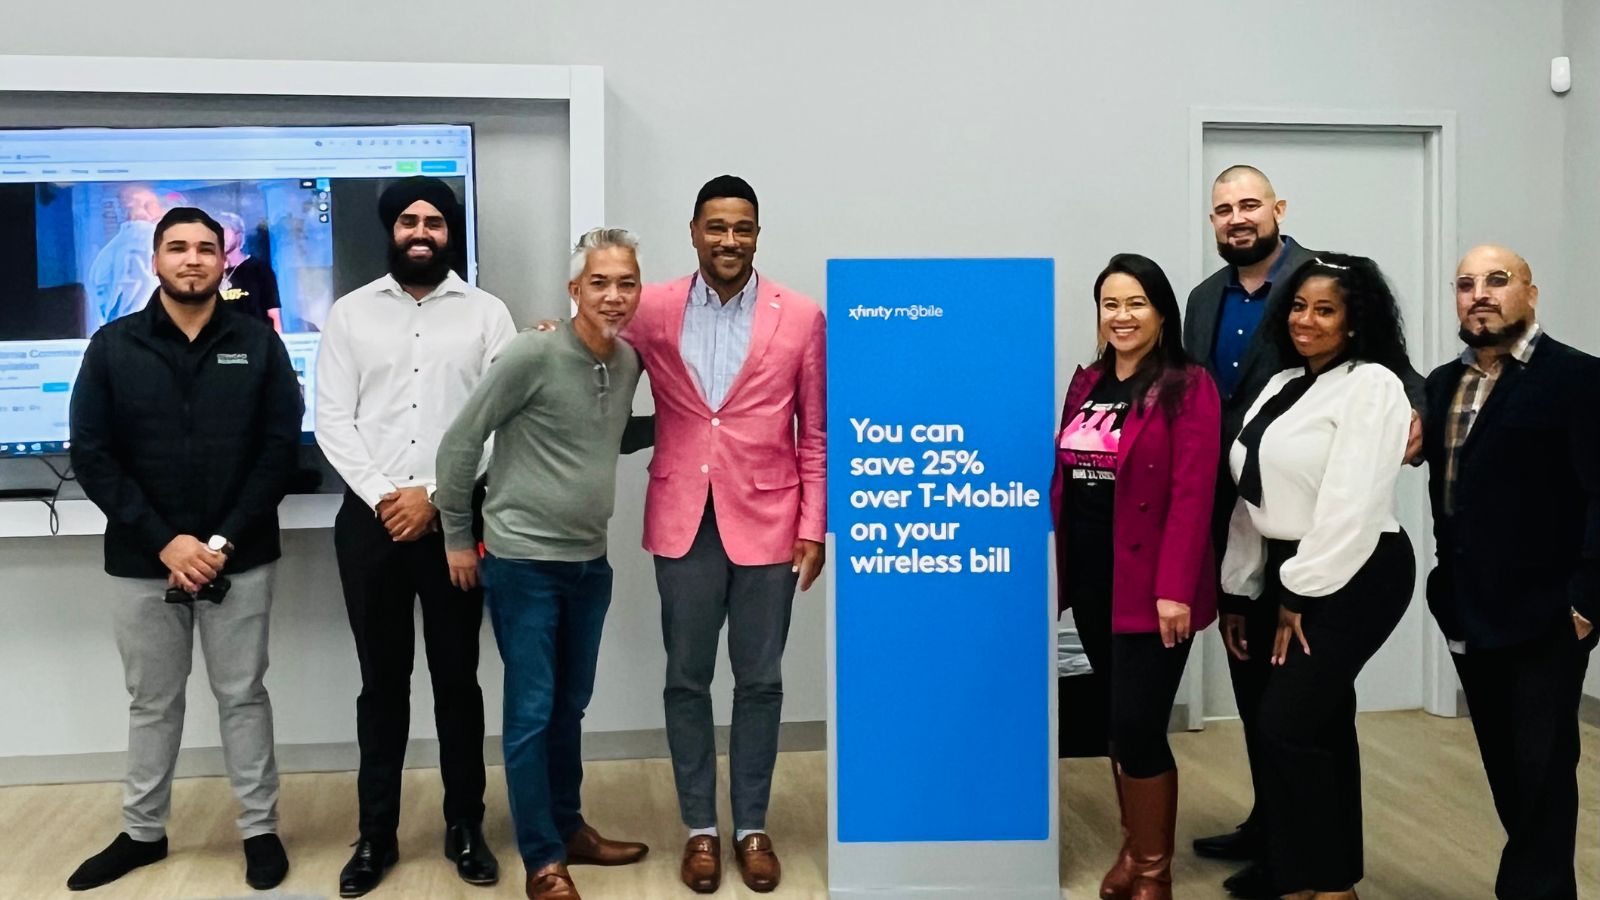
<point>1314,533</point>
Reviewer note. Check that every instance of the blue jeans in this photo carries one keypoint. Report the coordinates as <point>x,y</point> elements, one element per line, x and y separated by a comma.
<point>547,618</point>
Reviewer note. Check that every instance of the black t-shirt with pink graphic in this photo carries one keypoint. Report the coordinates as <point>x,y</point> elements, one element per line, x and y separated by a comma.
<point>1088,453</point>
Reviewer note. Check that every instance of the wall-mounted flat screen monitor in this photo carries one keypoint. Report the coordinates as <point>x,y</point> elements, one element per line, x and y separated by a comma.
<point>78,210</point>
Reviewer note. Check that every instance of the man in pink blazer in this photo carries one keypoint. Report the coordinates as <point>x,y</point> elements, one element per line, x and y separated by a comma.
<point>735,512</point>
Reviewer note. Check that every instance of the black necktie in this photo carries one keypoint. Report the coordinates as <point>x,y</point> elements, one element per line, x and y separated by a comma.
<point>1250,437</point>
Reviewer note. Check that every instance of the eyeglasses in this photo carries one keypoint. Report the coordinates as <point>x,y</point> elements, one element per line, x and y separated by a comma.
<point>602,383</point>
<point>1466,284</point>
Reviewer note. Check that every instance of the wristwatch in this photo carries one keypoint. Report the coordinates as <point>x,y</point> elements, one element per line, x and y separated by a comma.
<point>220,544</point>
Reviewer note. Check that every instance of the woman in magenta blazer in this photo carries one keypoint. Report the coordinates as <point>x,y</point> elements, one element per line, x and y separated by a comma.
<point>1136,466</point>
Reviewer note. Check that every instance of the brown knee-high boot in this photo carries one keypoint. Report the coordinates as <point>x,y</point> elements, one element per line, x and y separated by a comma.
<point>1118,882</point>
<point>1152,805</point>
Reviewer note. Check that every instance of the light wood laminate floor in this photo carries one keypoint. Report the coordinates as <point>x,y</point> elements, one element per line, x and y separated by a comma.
<point>1431,831</point>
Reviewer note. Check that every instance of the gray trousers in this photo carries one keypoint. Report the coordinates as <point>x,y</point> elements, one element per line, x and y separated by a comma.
<point>700,591</point>
<point>156,640</point>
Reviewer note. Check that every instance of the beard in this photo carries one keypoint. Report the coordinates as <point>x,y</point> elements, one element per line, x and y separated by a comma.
<point>595,324</point>
<point>1264,247</point>
<point>422,272</point>
<point>195,297</point>
<point>1490,337</point>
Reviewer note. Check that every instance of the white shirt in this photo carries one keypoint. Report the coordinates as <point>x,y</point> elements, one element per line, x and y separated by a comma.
<point>1329,465</point>
<point>392,373</point>
<point>716,337</point>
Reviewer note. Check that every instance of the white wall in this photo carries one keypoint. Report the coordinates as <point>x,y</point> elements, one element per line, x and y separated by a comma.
<point>901,127</point>
<point>1582,44</point>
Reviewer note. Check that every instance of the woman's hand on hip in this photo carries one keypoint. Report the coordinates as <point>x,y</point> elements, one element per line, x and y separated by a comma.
<point>1234,636</point>
<point>1288,629</point>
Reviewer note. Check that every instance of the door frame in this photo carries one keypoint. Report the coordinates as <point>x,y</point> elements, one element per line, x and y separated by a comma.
<point>1438,131</point>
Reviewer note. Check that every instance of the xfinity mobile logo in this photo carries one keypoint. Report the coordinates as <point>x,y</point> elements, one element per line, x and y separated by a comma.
<point>896,312</point>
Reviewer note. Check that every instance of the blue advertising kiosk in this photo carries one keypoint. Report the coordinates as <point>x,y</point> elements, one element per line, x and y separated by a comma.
<point>941,636</point>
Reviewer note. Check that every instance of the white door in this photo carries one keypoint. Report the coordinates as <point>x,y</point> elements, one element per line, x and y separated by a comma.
<point>1362,192</point>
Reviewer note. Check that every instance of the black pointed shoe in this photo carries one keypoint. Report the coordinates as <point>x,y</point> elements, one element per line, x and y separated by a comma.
<point>265,862</point>
<point>1252,882</point>
<point>123,856</point>
<point>365,869</point>
<point>1240,845</point>
<point>464,845</point>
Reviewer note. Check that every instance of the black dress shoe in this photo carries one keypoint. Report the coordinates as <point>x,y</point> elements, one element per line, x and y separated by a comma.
<point>1252,882</point>
<point>265,863</point>
<point>464,845</point>
<point>1242,845</point>
<point>123,856</point>
<point>366,866</point>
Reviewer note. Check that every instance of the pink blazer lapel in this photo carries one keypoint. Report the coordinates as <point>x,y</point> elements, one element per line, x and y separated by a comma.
<point>769,312</point>
<point>1083,381</point>
<point>1131,427</point>
<point>677,297</point>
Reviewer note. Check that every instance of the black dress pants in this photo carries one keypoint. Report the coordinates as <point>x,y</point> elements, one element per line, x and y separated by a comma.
<point>1307,736</point>
<point>1141,676</point>
<point>1249,677</point>
<point>382,581</point>
<point>1524,705</point>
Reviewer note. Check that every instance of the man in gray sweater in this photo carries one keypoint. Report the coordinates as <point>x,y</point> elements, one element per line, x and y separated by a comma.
<point>558,404</point>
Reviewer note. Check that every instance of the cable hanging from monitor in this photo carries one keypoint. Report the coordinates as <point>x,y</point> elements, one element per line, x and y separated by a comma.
<point>62,477</point>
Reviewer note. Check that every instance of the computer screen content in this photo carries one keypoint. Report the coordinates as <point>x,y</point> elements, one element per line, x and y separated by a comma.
<point>298,206</point>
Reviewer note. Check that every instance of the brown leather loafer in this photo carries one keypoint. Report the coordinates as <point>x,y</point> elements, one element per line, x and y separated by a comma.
<point>551,883</point>
<point>587,848</point>
<point>758,863</point>
<point>702,864</point>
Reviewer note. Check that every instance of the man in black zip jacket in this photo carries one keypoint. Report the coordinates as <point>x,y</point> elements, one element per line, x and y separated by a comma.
<point>185,420</point>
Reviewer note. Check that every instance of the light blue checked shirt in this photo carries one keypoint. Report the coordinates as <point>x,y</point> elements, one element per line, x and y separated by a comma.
<point>716,337</point>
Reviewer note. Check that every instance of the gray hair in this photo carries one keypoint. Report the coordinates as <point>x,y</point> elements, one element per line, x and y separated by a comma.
<point>600,239</point>
<point>231,221</point>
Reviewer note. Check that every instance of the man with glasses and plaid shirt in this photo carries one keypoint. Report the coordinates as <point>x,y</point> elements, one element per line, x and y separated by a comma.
<point>1512,439</point>
<point>558,403</point>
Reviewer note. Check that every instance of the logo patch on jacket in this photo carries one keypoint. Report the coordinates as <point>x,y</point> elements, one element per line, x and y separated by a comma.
<point>233,359</point>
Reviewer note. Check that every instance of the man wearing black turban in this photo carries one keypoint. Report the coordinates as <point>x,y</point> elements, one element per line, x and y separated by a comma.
<point>427,270</point>
<point>398,359</point>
